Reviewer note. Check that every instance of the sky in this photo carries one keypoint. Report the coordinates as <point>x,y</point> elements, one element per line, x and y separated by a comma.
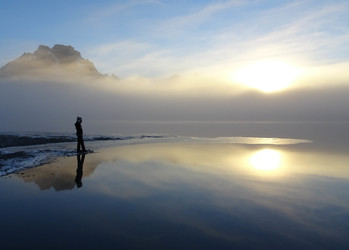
<point>153,38</point>
<point>285,49</point>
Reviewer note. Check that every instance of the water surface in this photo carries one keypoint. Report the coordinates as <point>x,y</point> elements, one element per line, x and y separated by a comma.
<point>197,195</point>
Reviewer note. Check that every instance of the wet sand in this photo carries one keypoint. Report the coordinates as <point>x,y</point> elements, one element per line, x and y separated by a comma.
<point>181,196</point>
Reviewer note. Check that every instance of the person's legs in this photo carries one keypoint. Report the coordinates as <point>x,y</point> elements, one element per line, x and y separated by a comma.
<point>81,143</point>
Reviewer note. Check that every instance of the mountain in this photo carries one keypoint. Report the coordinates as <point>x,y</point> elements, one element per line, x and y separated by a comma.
<point>58,61</point>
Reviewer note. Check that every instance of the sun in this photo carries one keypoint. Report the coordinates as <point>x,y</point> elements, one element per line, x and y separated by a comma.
<point>266,76</point>
<point>266,160</point>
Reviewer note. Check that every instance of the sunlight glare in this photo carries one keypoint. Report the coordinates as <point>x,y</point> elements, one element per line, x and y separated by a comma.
<point>266,160</point>
<point>267,76</point>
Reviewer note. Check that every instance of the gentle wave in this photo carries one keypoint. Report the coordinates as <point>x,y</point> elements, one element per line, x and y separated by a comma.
<point>15,140</point>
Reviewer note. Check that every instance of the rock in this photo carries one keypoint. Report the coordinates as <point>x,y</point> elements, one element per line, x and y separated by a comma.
<point>48,63</point>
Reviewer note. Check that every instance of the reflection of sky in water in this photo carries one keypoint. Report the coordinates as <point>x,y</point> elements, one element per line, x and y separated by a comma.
<point>197,196</point>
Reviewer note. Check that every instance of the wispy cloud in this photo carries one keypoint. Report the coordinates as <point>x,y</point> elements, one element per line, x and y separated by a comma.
<point>113,57</point>
<point>203,14</point>
<point>181,23</point>
<point>305,33</point>
<point>100,14</point>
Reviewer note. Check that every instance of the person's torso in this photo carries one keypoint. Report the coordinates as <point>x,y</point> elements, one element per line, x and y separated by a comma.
<point>78,128</point>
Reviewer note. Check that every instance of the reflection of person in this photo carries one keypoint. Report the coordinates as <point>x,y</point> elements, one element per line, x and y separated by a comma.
<point>79,170</point>
<point>79,135</point>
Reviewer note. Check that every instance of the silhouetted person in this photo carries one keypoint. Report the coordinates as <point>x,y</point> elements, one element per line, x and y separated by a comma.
<point>79,135</point>
<point>79,170</point>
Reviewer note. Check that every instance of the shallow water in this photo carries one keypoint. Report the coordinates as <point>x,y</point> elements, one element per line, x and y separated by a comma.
<point>181,196</point>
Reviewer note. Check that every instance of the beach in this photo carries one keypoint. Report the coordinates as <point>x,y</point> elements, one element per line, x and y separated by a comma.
<point>182,193</point>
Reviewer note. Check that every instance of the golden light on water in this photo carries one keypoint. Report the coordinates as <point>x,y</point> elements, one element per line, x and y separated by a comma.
<point>266,160</point>
<point>267,76</point>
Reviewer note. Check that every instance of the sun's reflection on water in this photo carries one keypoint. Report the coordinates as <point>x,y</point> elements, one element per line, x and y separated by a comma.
<point>266,160</point>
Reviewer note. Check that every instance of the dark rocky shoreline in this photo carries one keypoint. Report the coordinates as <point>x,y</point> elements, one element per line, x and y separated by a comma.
<point>18,140</point>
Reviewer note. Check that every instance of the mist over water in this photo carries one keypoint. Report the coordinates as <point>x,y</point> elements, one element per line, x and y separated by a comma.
<point>53,107</point>
<point>333,135</point>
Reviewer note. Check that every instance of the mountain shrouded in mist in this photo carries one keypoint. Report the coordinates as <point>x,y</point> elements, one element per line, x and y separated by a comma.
<point>46,62</point>
<point>47,89</point>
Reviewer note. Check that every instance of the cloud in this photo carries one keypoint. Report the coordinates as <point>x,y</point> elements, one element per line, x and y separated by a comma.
<point>101,14</point>
<point>197,17</point>
<point>302,33</point>
<point>111,57</point>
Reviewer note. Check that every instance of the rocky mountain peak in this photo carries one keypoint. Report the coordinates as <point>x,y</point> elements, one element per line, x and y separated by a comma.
<point>42,49</point>
<point>61,53</point>
<point>64,52</point>
<point>58,60</point>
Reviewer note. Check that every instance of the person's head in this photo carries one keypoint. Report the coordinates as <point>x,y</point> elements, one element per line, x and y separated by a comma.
<point>79,119</point>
